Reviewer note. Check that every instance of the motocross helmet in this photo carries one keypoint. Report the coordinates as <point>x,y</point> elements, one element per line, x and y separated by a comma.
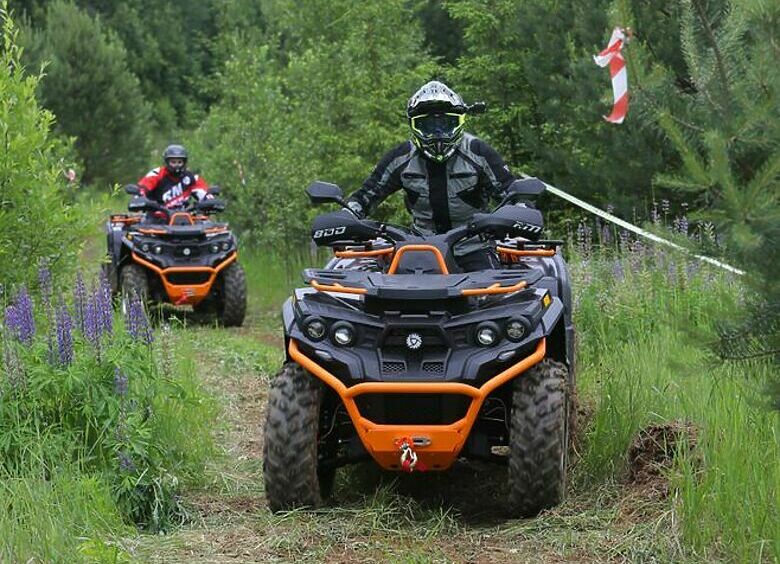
<point>436,116</point>
<point>175,152</point>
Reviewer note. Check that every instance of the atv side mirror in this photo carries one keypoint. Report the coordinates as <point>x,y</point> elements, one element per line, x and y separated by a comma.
<point>214,190</point>
<point>132,189</point>
<point>325,192</point>
<point>523,188</point>
<point>138,204</point>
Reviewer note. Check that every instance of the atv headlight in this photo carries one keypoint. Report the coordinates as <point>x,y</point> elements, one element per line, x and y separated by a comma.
<point>343,333</point>
<point>158,249</point>
<point>214,247</point>
<point>145,247</point>
<point>225,245</point>
<point>516,329</point>
<point>315,328</point>
<point>487,334</point>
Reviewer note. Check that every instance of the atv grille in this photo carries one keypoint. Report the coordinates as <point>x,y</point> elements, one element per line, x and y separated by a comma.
<point>413,409</point>
<point>392,368</point>
<point>433,368</point>
<point>186,278</point>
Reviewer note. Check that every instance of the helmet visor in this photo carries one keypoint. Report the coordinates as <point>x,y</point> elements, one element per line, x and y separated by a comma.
<point>437,126</point>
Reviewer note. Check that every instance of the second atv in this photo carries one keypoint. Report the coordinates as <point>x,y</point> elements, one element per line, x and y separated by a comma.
<point>397,355</point>
<point>178,257</point>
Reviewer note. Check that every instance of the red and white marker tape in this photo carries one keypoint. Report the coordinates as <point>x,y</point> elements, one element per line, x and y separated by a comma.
<point>613,57</point>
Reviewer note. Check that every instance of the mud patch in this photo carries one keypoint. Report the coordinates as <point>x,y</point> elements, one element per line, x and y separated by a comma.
<point>652,452</point>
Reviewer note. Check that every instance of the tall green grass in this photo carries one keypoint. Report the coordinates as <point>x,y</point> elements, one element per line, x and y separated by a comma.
<point>645,324</point>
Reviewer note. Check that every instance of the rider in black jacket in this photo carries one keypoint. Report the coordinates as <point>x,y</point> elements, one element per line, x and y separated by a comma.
<point>447,175</point>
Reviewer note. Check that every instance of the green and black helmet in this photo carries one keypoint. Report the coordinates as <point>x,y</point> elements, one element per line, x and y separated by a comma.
<point>177,152</point>
<point>436,115</point>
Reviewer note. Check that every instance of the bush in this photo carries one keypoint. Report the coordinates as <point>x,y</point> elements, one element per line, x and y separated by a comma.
<point>35,223</point>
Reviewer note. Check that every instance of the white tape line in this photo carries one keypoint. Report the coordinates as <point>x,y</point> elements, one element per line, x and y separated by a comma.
<point>634,229</point>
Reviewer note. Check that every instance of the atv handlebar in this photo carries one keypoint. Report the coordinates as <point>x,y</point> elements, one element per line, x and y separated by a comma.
<point>143,204</point>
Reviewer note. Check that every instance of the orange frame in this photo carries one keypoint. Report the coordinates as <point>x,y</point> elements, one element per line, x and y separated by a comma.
<point>418,248</point>
<point>365,254</point>
<point>525,252</point>
<point>439,445</point>
<point>189,294</point>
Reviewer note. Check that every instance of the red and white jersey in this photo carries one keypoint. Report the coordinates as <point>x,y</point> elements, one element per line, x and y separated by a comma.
<point>172,191</point>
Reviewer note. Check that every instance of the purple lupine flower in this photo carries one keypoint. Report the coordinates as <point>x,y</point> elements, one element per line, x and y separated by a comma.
<point>584,239</point>
<point>12,364</point>
<point>92,322</point>
<point>105,304</point>
<point>655,217</point>
<point>617,270</point>
<point>64,334</point>
<point>45,285</point>
<point>137,322</point>
<point>80,302</point>
<point>19,318</point>
<point>665,207</point>
<point>120,383</point>
<point>126,464</point>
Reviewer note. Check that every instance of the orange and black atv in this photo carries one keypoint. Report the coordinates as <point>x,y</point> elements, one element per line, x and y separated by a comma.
<point>179,257</point>
<point>395,354</point>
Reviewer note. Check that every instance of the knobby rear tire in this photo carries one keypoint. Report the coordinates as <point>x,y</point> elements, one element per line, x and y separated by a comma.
<point>232,307</point>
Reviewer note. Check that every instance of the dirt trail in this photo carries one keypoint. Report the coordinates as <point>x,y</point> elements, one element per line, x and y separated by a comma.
<point>452,517</point>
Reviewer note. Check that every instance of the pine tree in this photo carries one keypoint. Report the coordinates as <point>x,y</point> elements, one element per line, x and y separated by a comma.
<point>726,130</point>
<point>88,86</point>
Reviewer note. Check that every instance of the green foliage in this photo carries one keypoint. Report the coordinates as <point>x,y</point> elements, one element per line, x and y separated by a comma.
<point>645,320</point>
<point>120,413</point>
<point>35,222</point>
<point>532,63</point>
<point>91,90</point>
<point>320,95</point>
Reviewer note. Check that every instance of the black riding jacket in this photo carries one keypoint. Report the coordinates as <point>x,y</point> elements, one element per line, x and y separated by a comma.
<point>440,196</point>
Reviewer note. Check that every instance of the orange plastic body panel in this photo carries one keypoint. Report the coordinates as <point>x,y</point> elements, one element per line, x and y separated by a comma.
<point>418,248</point>
<point>365,254</point>
<point>442,443</point>
<point>185,215</point>
<point>186,294</point>
<point>495,289</point>
<point>127,220</point>
<point>337,288</point>
<point>526,252</point>
<point>150,231</point>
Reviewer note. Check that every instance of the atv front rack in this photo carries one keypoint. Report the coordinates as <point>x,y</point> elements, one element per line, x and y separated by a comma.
<point>437,445</point>
<point>420,287</point>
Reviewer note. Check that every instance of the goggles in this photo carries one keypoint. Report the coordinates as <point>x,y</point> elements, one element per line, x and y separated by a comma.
<point>432,126</point>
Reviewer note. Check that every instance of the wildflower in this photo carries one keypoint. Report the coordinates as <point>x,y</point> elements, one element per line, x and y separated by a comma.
<point>120,383</point>
<point>45,285</point>
<point>655,217</point>
<point>80,302</point>
<point>64,324</point>
<point>166,346</point>
<point>105,308</point>
<point>19,318</point>
<point>584,239</point>
<point>617,270</point>
<point>12,364</point>
<point>137,322</point>
<point>126,464</point>
<point>92,323</point>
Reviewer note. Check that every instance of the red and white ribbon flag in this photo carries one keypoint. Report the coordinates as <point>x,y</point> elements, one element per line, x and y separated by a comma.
<point>613,57</point>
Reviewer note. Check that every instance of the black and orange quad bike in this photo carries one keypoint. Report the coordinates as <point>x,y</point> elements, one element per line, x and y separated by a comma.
<point>396,354</point>
<point>178,257</point>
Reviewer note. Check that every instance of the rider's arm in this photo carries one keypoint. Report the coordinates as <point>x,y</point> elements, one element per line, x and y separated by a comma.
<point>497,173</point>
<point>385,180</point>
<point>201,188</point>
<point>149,182</point>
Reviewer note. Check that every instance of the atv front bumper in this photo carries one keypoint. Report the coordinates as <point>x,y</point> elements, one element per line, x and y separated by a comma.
<point>437,446</point>
<point>186,294</point>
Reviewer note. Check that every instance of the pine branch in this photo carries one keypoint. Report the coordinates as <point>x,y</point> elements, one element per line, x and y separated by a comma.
<point>716,50</point>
